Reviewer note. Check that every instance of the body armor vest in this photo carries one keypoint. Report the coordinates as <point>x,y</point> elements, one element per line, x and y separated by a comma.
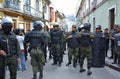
<point>85,38</point>
<point>35,38</point>
<point>8,43</point>
<point>56,37</point>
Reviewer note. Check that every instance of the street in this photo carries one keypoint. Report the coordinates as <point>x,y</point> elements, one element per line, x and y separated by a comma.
<point>63,72</point>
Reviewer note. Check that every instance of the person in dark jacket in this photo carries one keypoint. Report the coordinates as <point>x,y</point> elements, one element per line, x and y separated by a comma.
<point>72,40</point>
<point>35,39</point>
<point>117,43</point>
<point>98,50</point>
<point>56,37</point>
<point>85,38</point>
<point>9,50</point>
<point>106,34</point>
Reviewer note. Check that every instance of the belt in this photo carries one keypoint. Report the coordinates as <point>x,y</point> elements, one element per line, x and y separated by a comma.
<point>36,48</point>
<point>10,55</point>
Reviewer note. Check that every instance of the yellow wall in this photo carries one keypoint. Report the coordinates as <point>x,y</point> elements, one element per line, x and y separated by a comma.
<point>1,0</point>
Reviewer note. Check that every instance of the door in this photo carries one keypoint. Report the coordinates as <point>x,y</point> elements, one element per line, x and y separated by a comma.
<point>112,18</point>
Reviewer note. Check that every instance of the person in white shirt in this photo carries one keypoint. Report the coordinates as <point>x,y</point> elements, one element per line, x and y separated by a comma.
<point>20,37</point>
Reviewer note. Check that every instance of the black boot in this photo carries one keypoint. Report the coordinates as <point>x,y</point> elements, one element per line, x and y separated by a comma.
<point>68,63</point>
<point>41,75</point>
<point>82,70</point>
<point>114,62</point>
<point>89,72</point>
<point>59,64</point>
<point>75,64</point>
<point>34,76</point>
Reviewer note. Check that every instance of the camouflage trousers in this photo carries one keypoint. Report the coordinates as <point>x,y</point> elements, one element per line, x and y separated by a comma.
<point>57,54</point>
<point>72,52</point>
<point>37,60</point>
<point>86,52</point>
<point>12,64</point>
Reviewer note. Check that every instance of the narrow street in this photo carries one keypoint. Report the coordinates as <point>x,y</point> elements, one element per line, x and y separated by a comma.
<point>63,72</point>
<point>80,23</point>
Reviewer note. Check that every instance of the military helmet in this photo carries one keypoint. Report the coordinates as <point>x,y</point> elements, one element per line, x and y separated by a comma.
<point>117,25</point>
<point>86,25</point>
<point>81,26</point>
<point>98,27</point>
<point>7,21</point>
<point>56,24</point>
<point>38,25</point>
<point>73,26</point>
<point>6,25</point>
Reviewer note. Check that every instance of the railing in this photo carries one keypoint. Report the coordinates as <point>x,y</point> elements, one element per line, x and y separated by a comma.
<point>32,11</point>
<point>12,4</point>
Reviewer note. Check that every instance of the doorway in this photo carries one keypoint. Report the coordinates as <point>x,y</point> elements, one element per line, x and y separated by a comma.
<point>112,18</point>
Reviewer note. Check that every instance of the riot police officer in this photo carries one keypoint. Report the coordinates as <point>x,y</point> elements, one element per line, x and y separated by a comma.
<point>80,29</point>
<point>56,43</point>
<point>9,50</point>
<point>72,41</point>
<point>36,40</point>
<point>106,33</point>
<point>98,53</point>
<point>117,43</point>
<point>47,38</point>
<point>113,52</point>
<point>85,43</point>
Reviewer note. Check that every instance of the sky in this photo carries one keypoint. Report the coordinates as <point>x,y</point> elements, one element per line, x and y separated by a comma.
<point>68,7</point>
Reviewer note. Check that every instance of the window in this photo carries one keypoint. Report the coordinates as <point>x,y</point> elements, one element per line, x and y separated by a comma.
<point>37,5</point>
<point>45,9</point>
<point>27,4</point>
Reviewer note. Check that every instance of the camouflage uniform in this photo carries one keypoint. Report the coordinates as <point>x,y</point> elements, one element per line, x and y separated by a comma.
<point>72,48</point>
<point>85,38</point>
<point>9,44</point>
<point>56,39</point>
<point>36,40</point>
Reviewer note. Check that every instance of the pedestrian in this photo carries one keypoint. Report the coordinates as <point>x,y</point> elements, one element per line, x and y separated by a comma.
<point>117,43</point>
<point>72,41</point>
<point>85,38</point>
<point>35,39</point>
<point>9,50</point>
<point>106,33</point>
<point>98,48</point>
<point>20,37</point>
<point>56,36</point>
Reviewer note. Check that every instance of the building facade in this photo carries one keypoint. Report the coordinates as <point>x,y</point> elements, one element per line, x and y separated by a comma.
<point>103,12</point>
<point>60,18</point>
<point>24,12</point>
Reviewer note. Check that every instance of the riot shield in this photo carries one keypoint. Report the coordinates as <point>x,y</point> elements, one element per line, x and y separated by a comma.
<point>98,51</point>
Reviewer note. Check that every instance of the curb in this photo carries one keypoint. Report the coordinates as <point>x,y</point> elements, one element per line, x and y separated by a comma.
<point>113,67</point>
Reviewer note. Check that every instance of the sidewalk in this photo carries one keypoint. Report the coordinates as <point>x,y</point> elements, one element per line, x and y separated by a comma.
<point>109,62</point>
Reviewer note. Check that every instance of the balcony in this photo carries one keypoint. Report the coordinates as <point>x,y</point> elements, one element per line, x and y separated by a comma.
<point>13,5</point>
<point>32,11</point>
